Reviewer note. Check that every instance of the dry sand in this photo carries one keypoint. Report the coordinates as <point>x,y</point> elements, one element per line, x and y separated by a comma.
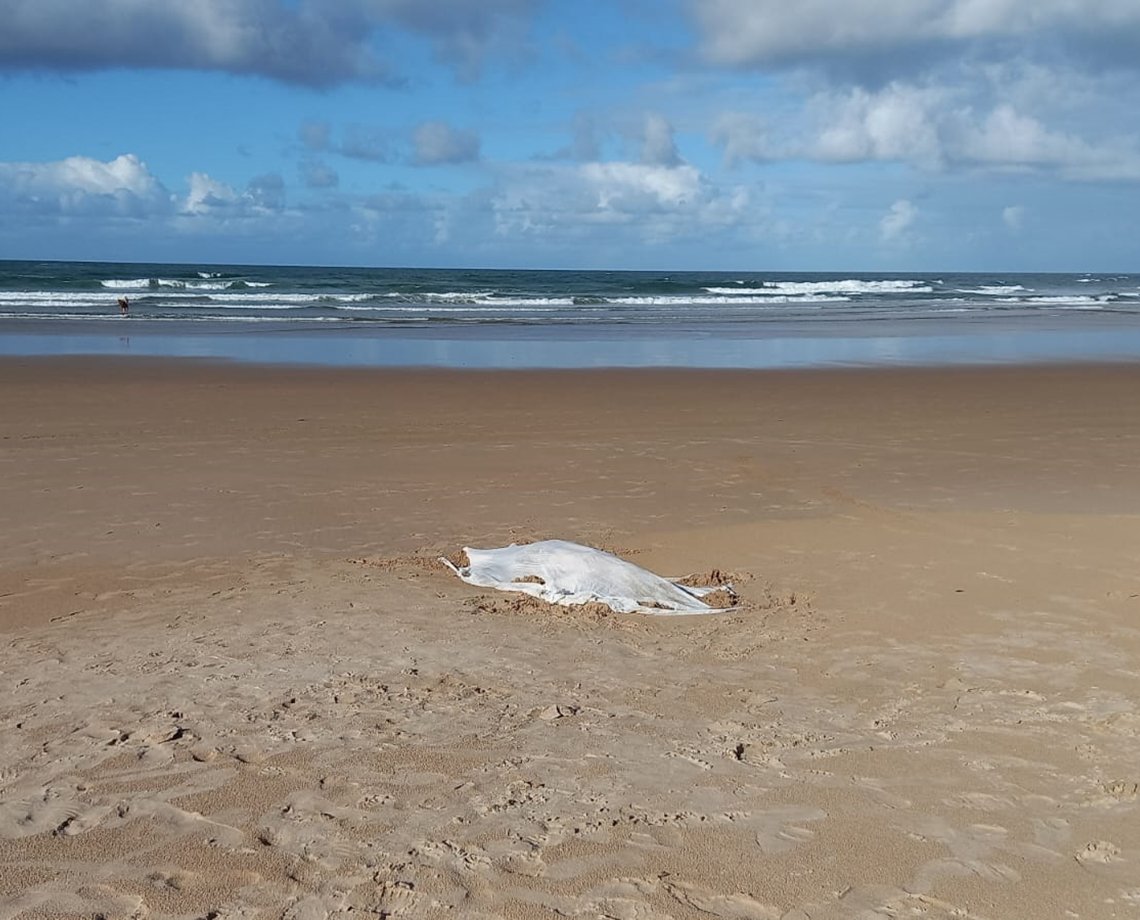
<point>235,684</point>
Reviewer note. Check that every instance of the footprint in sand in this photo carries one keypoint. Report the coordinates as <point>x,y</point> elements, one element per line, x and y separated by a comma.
<point>529,865</point>
<point>728,906</point>
<point>50,808</point>
<point>972,850</point>
<point>450,855</point>
<point>83,821</point>
<point>624,898</point>
<point>780,829</point>
<point>690,756</point>
<point>1099,855</point>
<point>311,907</point>
<point>1122,791</point>
<point>172,879</point>
<point>177,822</point>
<point>395,898</point>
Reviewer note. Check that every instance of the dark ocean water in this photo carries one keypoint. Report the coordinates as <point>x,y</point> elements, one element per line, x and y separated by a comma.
<point>565,319</point>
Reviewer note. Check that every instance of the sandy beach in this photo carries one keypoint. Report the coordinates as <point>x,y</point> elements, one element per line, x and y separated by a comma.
<point>237,683</point>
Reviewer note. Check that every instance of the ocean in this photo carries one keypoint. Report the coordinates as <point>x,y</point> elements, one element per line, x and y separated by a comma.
<point>529,319</point>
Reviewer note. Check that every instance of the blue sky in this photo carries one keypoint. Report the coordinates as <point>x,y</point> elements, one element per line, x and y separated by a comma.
<point>878,135</point>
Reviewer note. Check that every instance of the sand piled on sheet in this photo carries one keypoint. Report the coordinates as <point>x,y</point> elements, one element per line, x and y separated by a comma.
<point>237,683</point>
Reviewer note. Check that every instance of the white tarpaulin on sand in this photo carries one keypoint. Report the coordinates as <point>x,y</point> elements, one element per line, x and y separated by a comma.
<point>568,573</point>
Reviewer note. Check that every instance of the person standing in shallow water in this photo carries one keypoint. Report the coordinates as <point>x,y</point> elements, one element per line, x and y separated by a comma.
<point>124,306</point>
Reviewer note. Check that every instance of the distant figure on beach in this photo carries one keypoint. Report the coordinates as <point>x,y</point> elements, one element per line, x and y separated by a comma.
<point>124,306</point>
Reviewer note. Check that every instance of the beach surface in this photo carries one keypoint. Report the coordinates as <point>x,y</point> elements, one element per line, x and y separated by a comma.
<point>237,682</point>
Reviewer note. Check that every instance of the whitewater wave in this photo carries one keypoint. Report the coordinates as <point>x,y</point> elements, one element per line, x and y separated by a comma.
<point>1076,300</point>
<point>741,300</point>
<point>386,309</point>
<point>993,290</point>
<point>849,286</point>
<point>140,284</point>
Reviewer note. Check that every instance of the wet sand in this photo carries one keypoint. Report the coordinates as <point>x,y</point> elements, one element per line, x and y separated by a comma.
<point>237,683</point>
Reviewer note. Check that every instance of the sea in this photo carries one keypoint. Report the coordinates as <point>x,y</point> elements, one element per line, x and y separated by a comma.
<point>500,319</point>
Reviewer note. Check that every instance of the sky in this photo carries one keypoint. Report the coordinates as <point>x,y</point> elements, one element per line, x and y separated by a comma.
<point>768,135</point>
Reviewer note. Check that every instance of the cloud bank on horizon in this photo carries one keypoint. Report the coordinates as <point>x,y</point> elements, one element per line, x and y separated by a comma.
<point>685,134</point>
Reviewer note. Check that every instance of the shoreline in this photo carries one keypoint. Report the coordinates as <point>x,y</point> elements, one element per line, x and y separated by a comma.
<point>1079,337</point>
<point>79,364</point>
<point>237,682</point>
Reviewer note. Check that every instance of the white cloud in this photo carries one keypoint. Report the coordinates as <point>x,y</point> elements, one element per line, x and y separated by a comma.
<point>1006,136</point>
<point>82,185</point>
<point>601,211</point>
<point>208,195</point>
<point>658,204</point>
<point>986,86</point>
<point>82,191</point>
<point>897,220</point>
<point>898,123</point>
<point>638,187</point>
<point>933,127</point>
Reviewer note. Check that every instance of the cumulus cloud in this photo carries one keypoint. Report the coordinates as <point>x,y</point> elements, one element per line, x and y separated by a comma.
<point>437,143</point>
<point>936,128</point>
<point>638,187</point>
<point>660,204</point>
<point>82,187</point>
<point>79,185</point>
<point>897,220</point>
<point>993,86</point>
<point>899,123</point>
<point>766,33</point>
<point>933,127</point>
<point>210,197</point>
<point>310,42</point>
<point>1007,136</point>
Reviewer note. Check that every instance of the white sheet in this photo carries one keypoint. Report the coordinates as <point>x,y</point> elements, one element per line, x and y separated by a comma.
<point>574,574</point>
